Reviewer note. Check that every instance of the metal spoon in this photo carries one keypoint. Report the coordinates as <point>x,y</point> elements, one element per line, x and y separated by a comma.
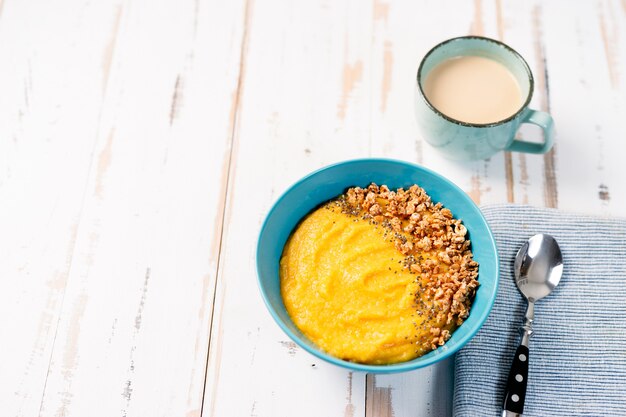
<point>538,269</point>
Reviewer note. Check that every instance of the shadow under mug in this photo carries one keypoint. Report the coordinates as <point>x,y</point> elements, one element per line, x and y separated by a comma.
<point>460,140</point>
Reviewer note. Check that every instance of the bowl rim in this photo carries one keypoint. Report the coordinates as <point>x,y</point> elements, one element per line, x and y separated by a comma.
<point>396,367</point>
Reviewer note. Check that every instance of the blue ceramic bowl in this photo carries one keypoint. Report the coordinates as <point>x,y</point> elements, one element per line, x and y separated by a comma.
<point>329,182</point>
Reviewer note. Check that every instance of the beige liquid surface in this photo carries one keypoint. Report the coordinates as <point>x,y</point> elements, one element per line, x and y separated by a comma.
<point>473,89</point>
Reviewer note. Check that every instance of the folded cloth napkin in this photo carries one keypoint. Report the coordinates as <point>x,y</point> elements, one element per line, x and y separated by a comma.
<point>577,363</point>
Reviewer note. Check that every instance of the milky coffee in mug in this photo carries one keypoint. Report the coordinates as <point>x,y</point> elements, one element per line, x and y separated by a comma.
<point>472,96</point>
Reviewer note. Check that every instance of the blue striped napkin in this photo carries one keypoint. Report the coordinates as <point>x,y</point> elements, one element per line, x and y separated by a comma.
<point>578,351</point>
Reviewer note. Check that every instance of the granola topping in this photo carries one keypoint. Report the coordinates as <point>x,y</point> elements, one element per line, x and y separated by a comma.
<point>435,248</point>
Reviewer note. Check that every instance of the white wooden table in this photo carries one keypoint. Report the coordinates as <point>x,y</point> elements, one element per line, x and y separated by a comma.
<point>142,143</point>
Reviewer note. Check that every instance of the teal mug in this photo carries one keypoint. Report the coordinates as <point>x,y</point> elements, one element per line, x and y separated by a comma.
<point>460,140</point>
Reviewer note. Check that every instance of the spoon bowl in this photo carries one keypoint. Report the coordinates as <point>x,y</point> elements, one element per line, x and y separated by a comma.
<point>538,267</point>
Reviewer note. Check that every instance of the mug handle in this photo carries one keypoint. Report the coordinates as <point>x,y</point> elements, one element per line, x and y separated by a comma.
<point>545,122</point>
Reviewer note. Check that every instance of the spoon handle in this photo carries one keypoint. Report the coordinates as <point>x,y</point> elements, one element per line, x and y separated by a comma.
<point>516,385</point>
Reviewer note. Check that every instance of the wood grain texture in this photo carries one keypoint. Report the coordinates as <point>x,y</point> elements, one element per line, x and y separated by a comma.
<point>590,106</point>
<point>378,400</point>
<point>123,256</point>
<point>142,143</point>
<point>424,392</point>
<point>45,156</point>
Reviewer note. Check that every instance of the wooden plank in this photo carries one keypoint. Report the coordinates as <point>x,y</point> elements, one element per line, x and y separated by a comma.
<point>304,104</point>
<point>425,392</point>
<point>563,71</point>
<point>50,106</point>
<point>587,95</point>
<point>133,332</point>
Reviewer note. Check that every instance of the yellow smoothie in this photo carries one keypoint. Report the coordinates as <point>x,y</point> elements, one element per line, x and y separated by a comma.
<point>345,286</point>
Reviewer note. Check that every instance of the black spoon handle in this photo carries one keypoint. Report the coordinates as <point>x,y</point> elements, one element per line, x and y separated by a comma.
<point>516,385</point>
